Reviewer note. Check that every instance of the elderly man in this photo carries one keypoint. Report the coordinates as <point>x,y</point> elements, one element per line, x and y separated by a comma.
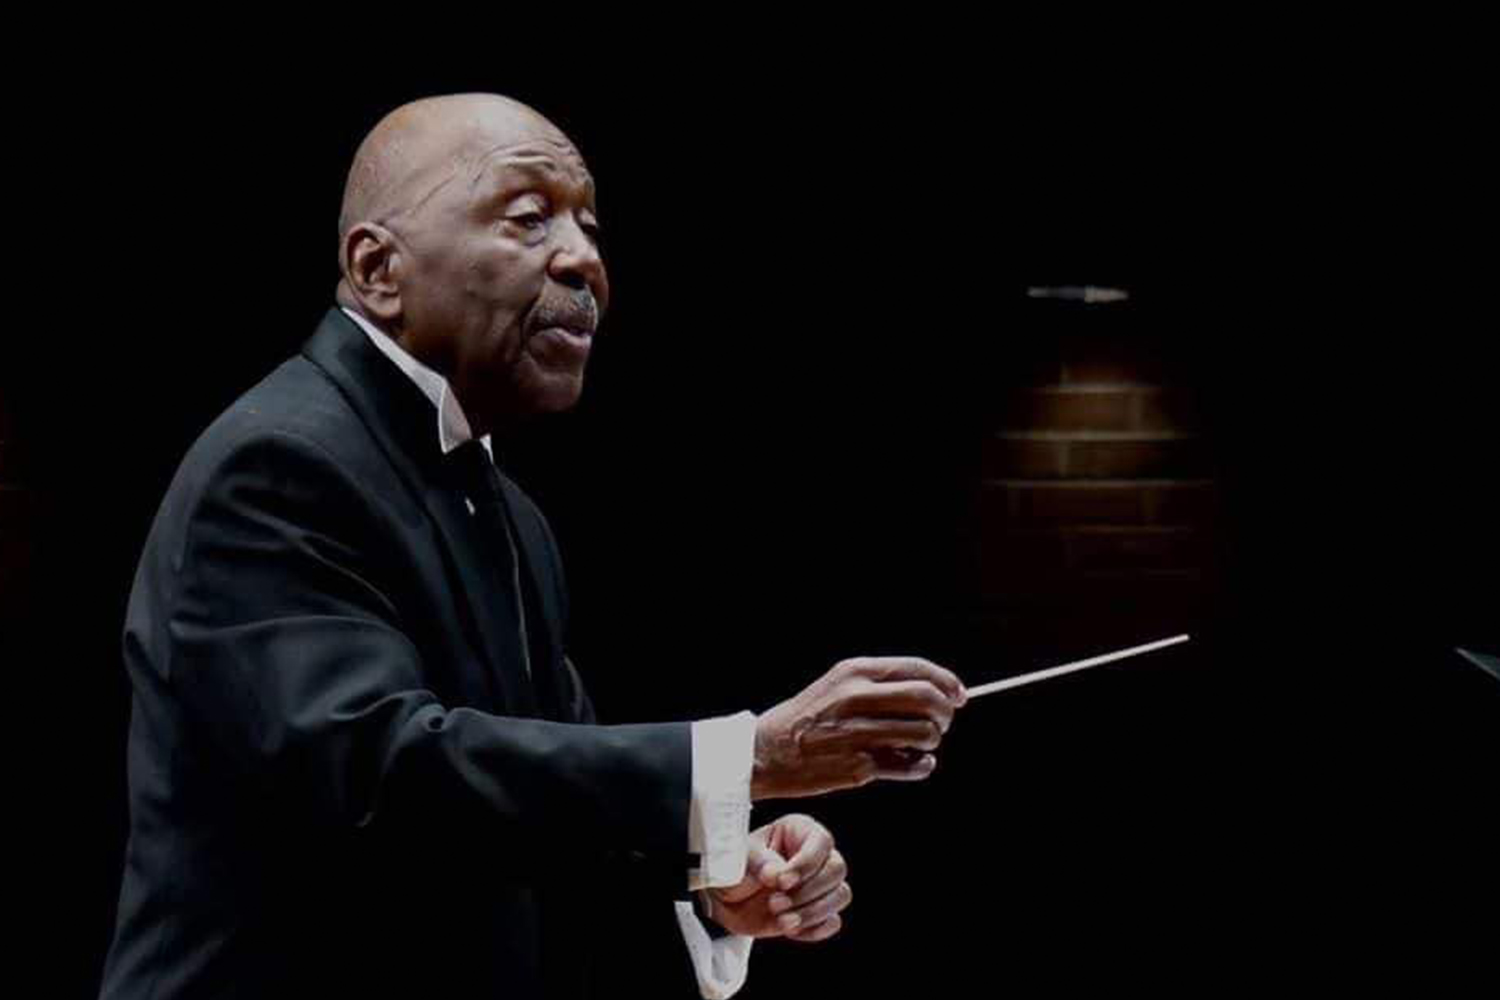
<point>360,761</point>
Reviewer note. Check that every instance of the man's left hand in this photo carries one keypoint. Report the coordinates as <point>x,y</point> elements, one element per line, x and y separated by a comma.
<point>794,886</point>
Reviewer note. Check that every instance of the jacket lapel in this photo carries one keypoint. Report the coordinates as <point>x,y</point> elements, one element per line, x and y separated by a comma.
<point>404,422</point>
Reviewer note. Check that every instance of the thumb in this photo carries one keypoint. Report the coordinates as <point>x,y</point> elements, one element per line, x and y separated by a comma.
<point>759,860</point>
<point>765,867</point>
<point>813,844</point>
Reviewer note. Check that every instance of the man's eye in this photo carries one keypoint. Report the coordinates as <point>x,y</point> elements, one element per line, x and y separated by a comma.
<point>529,220</point>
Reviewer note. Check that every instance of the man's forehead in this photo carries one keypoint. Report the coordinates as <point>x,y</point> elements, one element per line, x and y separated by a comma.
<point>546,158</point>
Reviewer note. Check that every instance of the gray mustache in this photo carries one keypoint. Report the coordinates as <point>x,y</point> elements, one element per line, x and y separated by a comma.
<point>578,312</point>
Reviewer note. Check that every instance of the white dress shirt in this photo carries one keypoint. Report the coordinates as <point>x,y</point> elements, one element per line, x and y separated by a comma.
<point>723,749</point>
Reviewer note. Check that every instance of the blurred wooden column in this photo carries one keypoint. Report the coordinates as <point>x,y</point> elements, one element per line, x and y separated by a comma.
<point>1097,512</point>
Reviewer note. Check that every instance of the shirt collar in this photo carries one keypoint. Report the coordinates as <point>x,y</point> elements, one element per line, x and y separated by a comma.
<point>453,427</point>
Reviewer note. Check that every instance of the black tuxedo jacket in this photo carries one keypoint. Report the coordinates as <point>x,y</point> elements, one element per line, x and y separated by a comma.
<point>342,780</point>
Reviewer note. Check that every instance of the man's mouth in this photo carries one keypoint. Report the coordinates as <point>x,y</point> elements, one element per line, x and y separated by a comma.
<point>563,329</point>
<point>563,344</point>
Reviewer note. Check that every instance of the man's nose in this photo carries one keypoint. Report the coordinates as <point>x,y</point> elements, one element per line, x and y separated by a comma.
<point>576,262</point>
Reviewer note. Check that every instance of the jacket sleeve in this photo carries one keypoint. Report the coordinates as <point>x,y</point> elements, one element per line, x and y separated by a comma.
<point>283,645</point>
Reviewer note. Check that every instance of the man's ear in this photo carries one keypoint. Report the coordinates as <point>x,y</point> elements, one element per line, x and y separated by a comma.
<point>371,262</point>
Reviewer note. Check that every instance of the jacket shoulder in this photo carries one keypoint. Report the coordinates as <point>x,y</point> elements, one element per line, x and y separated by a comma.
<point>295,425</point>
<point>296,401</point>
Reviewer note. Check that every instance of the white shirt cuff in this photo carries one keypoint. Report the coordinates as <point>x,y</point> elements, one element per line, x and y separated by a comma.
<point>720,965</point>
<point>719,815</point>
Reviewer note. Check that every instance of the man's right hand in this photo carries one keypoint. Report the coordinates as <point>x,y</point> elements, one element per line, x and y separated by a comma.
<point>869,718</point>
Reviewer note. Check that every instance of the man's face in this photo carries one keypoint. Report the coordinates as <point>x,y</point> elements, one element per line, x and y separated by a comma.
<point>504,285</point>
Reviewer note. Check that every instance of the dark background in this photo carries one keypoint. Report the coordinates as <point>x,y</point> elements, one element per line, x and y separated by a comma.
<point>820,321</point>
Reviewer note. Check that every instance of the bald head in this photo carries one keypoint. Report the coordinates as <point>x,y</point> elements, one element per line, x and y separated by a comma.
<point>422,147</point>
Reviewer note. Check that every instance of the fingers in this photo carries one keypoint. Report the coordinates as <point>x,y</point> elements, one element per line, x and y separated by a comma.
<point>820,932</point>
<point>809,910</point>
<point>759,858</point>
<point>831,903</point>
<point>810,845</point>
<point>816,900</point>
<point>826,880</point>
<point>813,851</point>
<point>758,855</point>
<point>902,699</point>
<point>898,765</point>
<point>910,668</point>
<point>915,734</point>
